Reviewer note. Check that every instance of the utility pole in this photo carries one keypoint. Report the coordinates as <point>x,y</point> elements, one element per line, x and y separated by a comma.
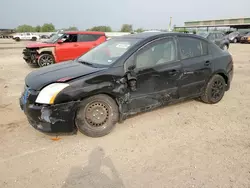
<point>170,24</point>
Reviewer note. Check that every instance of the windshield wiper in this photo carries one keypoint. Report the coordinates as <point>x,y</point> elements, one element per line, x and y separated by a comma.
<point>86,63</point>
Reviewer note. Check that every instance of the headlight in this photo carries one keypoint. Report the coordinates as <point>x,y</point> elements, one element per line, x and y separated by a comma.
<point>49,93</point>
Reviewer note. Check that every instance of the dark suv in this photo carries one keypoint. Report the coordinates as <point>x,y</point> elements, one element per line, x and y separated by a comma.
<point>216,37</point>
<point>125,76</point>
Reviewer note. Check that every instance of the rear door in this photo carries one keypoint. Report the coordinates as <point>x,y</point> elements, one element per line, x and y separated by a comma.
<point>68,50</point>
<point>196,63</point>
<point>86,42</point>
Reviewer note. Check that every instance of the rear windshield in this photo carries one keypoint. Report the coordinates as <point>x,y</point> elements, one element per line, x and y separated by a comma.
<point>203,34</point>
<point>233,34</point>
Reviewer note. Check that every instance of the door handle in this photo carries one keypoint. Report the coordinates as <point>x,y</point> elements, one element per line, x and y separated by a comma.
<point>76,45</point>
<point>207,63</point>
<point>188,72</point>
<point>173,72</point>
<point>155,75</point>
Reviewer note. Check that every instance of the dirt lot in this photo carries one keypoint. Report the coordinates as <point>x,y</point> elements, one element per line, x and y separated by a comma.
<point>190,144</point>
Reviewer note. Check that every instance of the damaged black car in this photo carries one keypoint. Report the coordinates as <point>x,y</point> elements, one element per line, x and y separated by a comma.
<point>125,76</point>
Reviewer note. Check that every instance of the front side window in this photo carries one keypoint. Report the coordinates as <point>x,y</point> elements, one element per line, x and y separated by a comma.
<point>192,47</point>
<point>69,38</point>
<point>54,38</point>
<point>87,37</point>
<point>159,52</point>
<point>108,52</point>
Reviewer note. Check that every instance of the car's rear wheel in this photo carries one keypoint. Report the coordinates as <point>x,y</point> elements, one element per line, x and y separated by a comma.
<point>17,39</point>
<point>45,60</point>
<point>214,90</point>
<point>34,39</point>
<point>97,115</point>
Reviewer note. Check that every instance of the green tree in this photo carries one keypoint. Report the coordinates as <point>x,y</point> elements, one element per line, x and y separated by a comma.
<point>48,27</point>
<point>38,28</point>
<point>72,28</point>
<point>139,30</point>
<point>100,28</point>
<point>25,28</point>
<point>127,28</point>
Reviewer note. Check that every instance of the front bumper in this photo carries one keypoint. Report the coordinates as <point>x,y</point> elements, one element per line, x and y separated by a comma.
<point>244,40</point>
<point>50,118</point>
<point>230,78</point>
<point>30,56</point>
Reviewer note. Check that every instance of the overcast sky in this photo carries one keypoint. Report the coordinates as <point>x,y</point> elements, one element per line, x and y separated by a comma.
<point>148,14</point>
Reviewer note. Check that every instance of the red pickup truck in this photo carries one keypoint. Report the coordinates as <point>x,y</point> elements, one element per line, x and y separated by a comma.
<point>62,47</point>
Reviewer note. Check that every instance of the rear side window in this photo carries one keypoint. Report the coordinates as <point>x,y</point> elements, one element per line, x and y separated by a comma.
<point>192,47</point>
<point>211,36</point>
<point>87,37</point>
<point>219,36</point>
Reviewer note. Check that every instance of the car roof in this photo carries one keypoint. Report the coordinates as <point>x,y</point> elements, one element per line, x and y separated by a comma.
<point>148,35</point>
<point>85,32</point>
<point>214,32</point>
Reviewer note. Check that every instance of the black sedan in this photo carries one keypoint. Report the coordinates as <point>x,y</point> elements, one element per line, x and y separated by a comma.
<point>124,76</point>
<point>216,37</point>
<point>234,37</point>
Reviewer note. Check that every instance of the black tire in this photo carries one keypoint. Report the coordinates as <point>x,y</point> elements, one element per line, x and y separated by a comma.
<point>214,90</point>
<point>34,39</point>
<point>225,47</point>
<point>235,40</point>
<point>45,60</point>
<point>102,112</point>
<point>17,39</point>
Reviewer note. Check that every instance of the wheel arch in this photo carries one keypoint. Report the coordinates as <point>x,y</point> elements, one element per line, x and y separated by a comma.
<point>49,50</point>
<point>224,75</point>
<point>111,95</point>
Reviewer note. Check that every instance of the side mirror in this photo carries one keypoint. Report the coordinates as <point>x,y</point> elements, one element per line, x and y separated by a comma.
<point>60,41</point>
<point>131,67</point>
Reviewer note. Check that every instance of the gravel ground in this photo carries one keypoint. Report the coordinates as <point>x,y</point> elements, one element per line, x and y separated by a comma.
<point>189,144</point>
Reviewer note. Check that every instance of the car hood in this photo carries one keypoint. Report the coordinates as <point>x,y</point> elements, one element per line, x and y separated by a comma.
<point>40,45</point>
<point>38,79</point>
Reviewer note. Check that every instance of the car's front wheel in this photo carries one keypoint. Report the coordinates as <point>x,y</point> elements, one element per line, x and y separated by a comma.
<point>97,115</point>
<point>225,47</point>
<point>214,90</point>
<point>235,40</point>
<point>45,60</point>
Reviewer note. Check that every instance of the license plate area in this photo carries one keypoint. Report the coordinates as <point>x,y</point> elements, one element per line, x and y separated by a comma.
<point>24,98</point>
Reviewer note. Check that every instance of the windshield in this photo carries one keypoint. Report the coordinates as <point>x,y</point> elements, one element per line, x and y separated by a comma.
<point>233,34</point>
<point>248,34</point>
<point>106,53</point>
<point>54,38</point>
<point>203,34</point>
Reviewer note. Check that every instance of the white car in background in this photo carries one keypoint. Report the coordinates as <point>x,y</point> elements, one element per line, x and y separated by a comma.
<point>25,36</point>
<point>151,31</point>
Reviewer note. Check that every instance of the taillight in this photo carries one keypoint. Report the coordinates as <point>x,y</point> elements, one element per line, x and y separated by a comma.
<point>64,79</point>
